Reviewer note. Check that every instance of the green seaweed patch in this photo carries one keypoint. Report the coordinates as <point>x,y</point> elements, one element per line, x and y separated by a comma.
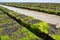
<point>2,16</point>
<point>56,37</point>
<point>11,13</point>
<point>25,34</point>
<point>43,26</point>
<point>28,35</point>
<point>5,21</point>
<point>4,37</point>
<point>1,29</point>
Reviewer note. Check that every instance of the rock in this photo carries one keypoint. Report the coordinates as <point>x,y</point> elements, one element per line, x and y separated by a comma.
<point>58,26</point>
